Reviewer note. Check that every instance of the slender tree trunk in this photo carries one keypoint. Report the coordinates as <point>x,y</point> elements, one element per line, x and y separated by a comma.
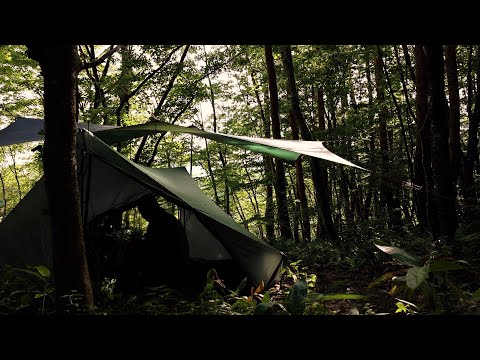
<point>13,168</point>
<point>220,153</point>
<point>472,145</point>
<point>126,217</point>
<point>59,66</point>
<point>371,146</point>
<point>253,197</point>
<point>454,120</point>
<point>400,118</point>
<point>268,166</point>
<point>386,191</point>
<point>408,64</point>
<point>280,181</point>
<point>321,126</point>
<point>4,196</point>
<point>126,73</point>
<point>295,208</point>
<point>410,115</point>
<point>438,110</point>
<point>99,95</point>
<point>368,199</point>
<point>423,163</point>
<point>404,83</point>
<point>318,176</point>
<point>210,172</point>
<point>240,209</point>
<point>300,185</point>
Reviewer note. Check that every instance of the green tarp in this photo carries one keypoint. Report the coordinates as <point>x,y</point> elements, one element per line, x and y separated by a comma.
<point>288,150</point>
<point>115,182</point>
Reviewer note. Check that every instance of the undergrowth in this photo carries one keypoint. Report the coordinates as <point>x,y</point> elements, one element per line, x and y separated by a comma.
<point>370,271</point>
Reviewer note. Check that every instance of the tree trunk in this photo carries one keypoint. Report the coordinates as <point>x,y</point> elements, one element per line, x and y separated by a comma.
<point>125,79</point>
<point>220,154</point>
<point>422,160</point>
<point>4,196</point>
<point>404,85</point>
<point>210,172</point>
<point>408,64</point>
<point>400,118</point>
<point>371,146</point>
<point>454,120</point>
<point>99,95</point>
<point>59,66</point>
<point>368,199</point>
<point>295,208</point>
<point>322,128</point>
<point>280,181</point>
<point>318,172</point>
<point>13,168</point>
<point>240,210</point>
<point>386,191</point>
<point>253,200</point>
<point>472,145</point>
<point>268,166</point>
<point>300,185</point>
<point>438,110</point>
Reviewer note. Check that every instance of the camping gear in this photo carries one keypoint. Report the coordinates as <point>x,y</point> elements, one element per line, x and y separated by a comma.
<point>108,180</point>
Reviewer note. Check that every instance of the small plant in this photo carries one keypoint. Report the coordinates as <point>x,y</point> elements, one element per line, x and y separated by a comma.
<point>296,273</point>
<point>25,290</point>
<point>405,307</point>
<point>426,276</point>
<point>108,288</point>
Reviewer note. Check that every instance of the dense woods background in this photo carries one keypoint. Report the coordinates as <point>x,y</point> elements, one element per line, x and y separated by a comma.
<point>408,113</point>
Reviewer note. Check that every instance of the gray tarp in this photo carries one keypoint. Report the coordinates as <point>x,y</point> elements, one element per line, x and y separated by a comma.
<point>28,129</point>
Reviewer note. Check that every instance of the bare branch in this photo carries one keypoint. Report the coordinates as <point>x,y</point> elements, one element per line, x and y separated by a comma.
<point>102,58</point>
<point>149,76</point>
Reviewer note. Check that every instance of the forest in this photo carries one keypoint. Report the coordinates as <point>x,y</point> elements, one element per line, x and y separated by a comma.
<point>396,235</point>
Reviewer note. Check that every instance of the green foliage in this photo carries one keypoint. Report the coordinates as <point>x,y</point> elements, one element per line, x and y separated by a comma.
<point>430,278</point>
<point>399,254</point>
<point>25,290</point>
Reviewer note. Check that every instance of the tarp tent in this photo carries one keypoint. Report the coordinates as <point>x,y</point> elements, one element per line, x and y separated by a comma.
<point>213,235</point>
<point>109,181</point>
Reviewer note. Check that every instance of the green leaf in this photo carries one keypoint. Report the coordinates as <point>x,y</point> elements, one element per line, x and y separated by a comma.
<point>401,255</point>
<point>296,298</point>
<point>400,307</point>
<point>416,275</point>
<point>471,238</point>
<point>37,275</point>
<point>2,203</point>
<point>445,265</point>
<point>38,296</point>
<point>266,298</point>
<point>476,294</point>
<point>379,280</point>
<point>262,308</point>
<point>327,297</point>
<point>43,271</point>
<point>242,285</point>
